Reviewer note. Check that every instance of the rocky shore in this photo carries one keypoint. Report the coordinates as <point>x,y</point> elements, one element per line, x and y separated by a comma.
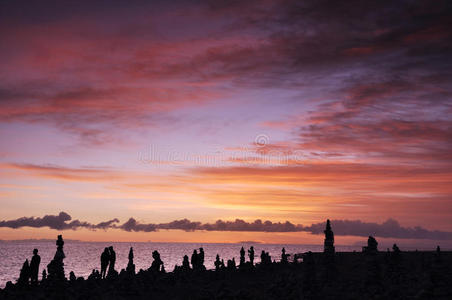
<point>413,275</point>
<point>370,274</point>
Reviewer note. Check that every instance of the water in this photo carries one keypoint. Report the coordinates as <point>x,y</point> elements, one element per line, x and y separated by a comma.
<point>83,257</point>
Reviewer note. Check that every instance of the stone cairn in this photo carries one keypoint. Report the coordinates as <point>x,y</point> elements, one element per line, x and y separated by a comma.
<point>24,274</point>
<point>328,251</point>
<point>242,258</point>
<point>55,269</point>
<point>372,246</point>
<point>130,265</point>
<point>328,247</point>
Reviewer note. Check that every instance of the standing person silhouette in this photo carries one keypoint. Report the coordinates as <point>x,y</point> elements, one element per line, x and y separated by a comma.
<point>217,263</point>
<point>34,267</point>
<point>111,268</point>
<point>201,259</point>
<point>242,257</point>
<point>104,260</point>
<point>251,255</point>
<point>155,266</point>
<point>194,260</point>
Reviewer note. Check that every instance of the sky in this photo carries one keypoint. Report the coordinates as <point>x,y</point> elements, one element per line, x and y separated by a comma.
<point>143,113</point>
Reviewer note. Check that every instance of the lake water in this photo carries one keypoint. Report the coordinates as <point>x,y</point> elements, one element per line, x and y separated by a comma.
<point>83,257</point>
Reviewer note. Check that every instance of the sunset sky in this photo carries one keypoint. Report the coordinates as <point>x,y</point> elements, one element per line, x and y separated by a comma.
<point>292,111</point>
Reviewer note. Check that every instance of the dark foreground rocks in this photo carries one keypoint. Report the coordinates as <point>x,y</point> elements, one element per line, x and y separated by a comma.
<point>384,275</point>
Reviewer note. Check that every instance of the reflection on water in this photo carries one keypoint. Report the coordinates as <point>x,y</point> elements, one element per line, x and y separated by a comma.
<point>82,257</point>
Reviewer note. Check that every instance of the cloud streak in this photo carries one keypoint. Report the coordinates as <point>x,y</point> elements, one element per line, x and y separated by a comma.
<point>388,229</point>
<point>96,81</point>
<point>62,221</point>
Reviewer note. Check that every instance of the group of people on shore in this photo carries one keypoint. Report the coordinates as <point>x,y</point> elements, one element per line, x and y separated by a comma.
<point>30,271</point>
<point>197,260</point>
<point>231,264</point>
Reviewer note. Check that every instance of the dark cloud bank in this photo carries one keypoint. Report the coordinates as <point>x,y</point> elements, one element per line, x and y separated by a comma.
<point>59,222</point>
<point>389,229</point>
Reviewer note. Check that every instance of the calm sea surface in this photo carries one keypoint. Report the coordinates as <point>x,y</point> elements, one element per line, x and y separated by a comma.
<point>83,257</point>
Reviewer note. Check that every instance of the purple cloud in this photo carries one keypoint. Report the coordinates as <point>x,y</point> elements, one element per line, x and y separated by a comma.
<point>388,229</point>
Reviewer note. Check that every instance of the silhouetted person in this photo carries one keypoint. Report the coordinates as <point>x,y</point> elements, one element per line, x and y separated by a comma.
<point>130,265</point>
<point>284,256</point>
<point>94,275</point>
<point>217,263</point>
<point>111,268</point>
<point>24,274</point>
<point>104,261</point>
<point>201,259</point>
<point>194,260</point>
<point>155,266</point>
<point>231,264</point>
<point>44,275</point>
<point>265,258</point>
<point>72,276</point>
<point>251,255</point>
<point>34,267</point>
<point>396,249</point>
<point>185,263</point>
<point>438,254</point>
<point>242,257</point>
<point>329,239</point>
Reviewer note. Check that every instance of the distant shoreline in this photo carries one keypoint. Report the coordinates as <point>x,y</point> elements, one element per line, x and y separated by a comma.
<point>382,246</point>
